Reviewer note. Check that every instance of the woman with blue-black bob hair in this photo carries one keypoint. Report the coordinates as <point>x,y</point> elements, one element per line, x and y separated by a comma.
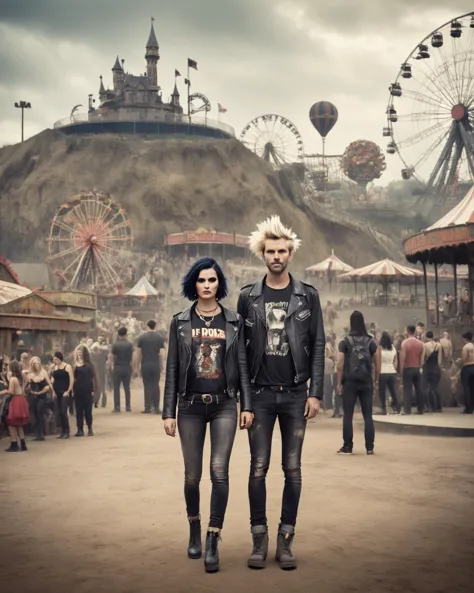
<point>206,371</point>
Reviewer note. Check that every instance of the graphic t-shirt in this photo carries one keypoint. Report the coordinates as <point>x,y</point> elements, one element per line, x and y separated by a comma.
<point>277,366</point>
<point>207,369</point>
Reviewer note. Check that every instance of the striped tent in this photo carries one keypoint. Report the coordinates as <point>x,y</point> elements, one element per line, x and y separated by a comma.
<point>331,263</point>
<point>463,213</point>
<point>142,289</point>
<point>384,271</point>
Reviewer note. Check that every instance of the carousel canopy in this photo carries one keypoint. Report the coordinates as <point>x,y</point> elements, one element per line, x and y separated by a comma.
<point>142,289</point>
<point>331,263</point>
<point>385,270</point>
<point>448,236</point>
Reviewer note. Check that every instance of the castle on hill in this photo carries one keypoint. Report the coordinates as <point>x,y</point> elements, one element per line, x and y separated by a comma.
<point>133,96</point>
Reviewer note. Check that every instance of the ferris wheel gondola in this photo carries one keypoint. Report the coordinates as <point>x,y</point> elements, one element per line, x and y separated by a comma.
<point>430,114</point>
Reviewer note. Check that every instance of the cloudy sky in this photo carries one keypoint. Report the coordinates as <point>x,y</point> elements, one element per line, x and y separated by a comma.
<point>254,56</point>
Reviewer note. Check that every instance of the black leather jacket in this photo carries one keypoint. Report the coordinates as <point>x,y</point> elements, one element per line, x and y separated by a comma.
<point>304,326</point>
<point>179,359</point>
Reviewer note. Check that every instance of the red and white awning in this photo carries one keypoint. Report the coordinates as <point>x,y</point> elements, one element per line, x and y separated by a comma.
<point>331,263</point>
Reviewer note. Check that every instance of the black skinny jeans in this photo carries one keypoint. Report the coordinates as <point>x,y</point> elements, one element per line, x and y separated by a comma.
<point>151,384</point>
<point>350,393</point>
<point>193,418</point>
<point>431,379</point>
<point>412,379</point>
<point>63,404</point>
<point>388,381</point>
<point>121,374</point>
<point>39,406</point>
<point>288,406</point>
<point>84,405</point>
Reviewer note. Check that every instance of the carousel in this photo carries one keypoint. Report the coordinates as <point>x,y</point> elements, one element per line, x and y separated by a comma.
<point>450,241</point>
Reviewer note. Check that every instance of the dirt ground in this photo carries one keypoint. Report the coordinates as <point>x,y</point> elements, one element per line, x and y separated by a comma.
<point>107,514</point>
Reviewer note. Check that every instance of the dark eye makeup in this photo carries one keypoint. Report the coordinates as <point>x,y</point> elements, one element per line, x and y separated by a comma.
<point>210,280</point>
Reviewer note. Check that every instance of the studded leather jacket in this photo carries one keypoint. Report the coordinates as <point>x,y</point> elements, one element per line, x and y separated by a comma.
<point>304,326</point>
<point>179,359</point>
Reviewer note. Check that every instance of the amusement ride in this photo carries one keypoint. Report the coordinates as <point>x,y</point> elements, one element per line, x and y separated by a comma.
<point>275,139</point>
<point>430,113</point>
<point>89,240</point>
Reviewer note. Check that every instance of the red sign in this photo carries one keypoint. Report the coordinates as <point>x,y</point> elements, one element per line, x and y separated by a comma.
<point>447,237</point>
<point>206,238</point>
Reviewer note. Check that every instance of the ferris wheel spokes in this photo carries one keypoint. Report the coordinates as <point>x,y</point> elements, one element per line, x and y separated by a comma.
<point>88,237</point>
<point>429,119</point>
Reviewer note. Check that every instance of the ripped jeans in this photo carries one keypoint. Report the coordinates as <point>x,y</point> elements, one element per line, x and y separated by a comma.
<point>288,406</point>
<point>192,421</point>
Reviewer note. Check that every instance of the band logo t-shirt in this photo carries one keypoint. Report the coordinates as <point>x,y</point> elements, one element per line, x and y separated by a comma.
<point>207,369</point>
<point>277,366</point>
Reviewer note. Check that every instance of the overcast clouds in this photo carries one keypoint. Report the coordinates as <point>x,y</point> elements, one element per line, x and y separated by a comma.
<point>254,56</point>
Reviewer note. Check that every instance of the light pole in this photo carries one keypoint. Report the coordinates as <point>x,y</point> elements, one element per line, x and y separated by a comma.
<point>23,105</point>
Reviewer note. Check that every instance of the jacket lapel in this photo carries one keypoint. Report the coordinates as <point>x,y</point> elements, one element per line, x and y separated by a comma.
<point>296,300</point>
<point>184,327</point>
<point>259,300</point>
<point>231,328</point>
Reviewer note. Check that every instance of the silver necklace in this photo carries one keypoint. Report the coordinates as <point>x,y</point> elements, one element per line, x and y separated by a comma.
<point>206,323</point>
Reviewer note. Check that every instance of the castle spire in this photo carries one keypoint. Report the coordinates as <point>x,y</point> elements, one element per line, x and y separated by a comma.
<point>152,56</point>
<point>117,66</point>
<point>175,96</point>
<point>152,42</point>
<point>102,88</point>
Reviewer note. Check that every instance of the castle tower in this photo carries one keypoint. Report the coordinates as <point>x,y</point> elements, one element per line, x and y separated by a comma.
<point>175,97</point>
<point>152,56</point>
<point>118,75</point>
<point>102,93</point>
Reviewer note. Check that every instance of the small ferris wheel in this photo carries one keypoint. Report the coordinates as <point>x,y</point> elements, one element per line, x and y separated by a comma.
<point>88,242</point>
<point>275,139</point>
<point>430,114</point>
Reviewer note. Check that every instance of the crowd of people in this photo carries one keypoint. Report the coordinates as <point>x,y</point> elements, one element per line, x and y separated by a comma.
<point>38,397</point>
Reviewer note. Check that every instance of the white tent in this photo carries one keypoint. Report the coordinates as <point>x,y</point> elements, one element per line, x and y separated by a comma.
<point>142,288</point>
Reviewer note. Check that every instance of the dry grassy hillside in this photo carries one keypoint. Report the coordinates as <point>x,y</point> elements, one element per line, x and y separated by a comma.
<point>166,186</point>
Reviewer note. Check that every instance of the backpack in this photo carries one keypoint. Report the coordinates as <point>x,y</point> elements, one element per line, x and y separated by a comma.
<point>358,367</point>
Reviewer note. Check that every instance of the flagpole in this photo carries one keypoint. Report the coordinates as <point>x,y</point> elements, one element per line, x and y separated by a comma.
<point>189,84</point>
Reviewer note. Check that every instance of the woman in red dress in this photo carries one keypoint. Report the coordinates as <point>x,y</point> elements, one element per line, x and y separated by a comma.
<point>18,412</point>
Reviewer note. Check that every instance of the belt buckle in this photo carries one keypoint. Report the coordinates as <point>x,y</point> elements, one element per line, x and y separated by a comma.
<point>207,398</point>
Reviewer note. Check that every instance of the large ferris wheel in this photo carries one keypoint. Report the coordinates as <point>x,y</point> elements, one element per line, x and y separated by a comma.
<point>430,114</point>
<point>89,241</point>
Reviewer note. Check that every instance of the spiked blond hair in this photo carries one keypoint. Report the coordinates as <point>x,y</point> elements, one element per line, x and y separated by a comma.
<point>272,228</point>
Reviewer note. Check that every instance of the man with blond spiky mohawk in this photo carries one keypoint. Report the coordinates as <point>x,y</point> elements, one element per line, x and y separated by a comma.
<point>285,341</point>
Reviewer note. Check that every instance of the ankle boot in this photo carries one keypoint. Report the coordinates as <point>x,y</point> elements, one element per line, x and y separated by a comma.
<point>12,448</point>
<point>260,547</point>
<point>23,445</point>
<point>284,555</point>
<point>195,543</point>
<point>211,559</point>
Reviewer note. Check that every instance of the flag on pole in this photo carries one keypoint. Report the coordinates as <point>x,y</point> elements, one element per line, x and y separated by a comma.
<point>187,81</point>
<point>192,64</point>
<point>177,73</point>
<point>152,19</point>
<point>221,109</point>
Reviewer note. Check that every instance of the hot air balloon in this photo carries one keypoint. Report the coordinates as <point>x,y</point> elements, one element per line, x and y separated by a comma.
<point>323,116</point>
